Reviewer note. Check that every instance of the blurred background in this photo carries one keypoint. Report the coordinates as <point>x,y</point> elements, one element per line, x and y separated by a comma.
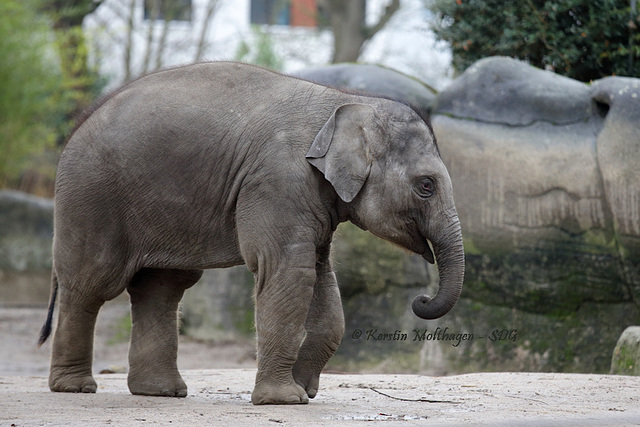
<point>535,104</point>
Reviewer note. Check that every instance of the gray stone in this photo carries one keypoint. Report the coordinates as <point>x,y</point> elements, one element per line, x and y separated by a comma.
<point>220,306</point>
<point>546,183</point>
<point>374,79</point>
<point>378,282</point>
<point>26,231</point>
<point>626,355</point>
<point>618,154</point>
<point>506,91</point>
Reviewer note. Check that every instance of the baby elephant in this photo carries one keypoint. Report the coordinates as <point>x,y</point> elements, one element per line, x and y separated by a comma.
<point>220,164</point>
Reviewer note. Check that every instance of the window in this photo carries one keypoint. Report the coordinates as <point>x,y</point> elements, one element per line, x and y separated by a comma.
<point>167,10</point>
<point>297,13</point>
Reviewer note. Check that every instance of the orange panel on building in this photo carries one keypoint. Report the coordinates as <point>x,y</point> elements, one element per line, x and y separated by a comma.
<point>303,13</point>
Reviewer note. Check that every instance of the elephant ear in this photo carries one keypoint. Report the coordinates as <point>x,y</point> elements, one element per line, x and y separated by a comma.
<point>341,149</point>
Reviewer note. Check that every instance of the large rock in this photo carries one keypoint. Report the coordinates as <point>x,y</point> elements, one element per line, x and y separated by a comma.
<point>505,91</point>
<point>626,355</point>
<point>547,187</point>
<point>618,148</point>
<point>374,79</point>
<point>220,306</point>
<point>26,232</point>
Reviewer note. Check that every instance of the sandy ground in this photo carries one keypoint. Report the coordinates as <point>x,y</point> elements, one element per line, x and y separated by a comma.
<point>220,378</point>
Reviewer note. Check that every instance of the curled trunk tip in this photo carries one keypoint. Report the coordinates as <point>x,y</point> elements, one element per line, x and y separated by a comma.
<point>425,307</point>
<point>449,254</point>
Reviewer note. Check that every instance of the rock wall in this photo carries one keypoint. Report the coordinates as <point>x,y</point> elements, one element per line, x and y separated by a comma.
<point>547,186</point>
<point>374,79</point>
<point>26,232</point>
<point>545,171</point>
<point>220,306</point>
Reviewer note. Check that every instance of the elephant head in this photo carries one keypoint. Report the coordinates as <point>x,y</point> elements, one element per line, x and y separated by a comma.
<point>384,164</point>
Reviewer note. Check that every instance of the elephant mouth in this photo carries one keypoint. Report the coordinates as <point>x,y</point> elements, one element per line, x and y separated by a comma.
<point>422,246</point>
<point>428,254</point>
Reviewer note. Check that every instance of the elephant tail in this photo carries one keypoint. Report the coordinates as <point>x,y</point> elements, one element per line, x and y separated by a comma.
<point>46,328</point>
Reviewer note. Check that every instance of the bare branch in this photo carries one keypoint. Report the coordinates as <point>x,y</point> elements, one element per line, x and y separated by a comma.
<point>389,11</point>
<point>212,6</point>
<point>154,15</point>
<point>129,42</point>
<point>415,400</point>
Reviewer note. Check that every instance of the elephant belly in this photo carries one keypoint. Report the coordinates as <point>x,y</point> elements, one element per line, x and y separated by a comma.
<point>191,248</point>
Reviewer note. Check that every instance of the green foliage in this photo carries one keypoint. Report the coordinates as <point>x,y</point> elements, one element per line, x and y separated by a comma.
<point>582,39</point>
<point>68,13</point>
<point>44,82</point>
<point>80,84</point>
<point>260,52</point>
<point>28,86</point>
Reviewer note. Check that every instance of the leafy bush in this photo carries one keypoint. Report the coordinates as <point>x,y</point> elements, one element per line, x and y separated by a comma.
<point>29,83</point>
<point>259,51</point>
<point>582,39</point>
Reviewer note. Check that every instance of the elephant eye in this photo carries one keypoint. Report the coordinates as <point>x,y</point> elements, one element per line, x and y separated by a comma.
<point>425,187</point>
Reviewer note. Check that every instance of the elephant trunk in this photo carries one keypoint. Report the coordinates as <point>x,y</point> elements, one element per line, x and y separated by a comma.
<point>449,254</point>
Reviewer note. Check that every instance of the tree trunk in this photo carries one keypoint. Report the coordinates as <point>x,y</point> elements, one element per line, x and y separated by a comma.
<point>129,43</point>
<point>66,17</point>
<point>202,41</point>
<point>347,20</point>
<point>154,15</point>
<point>350,32</point>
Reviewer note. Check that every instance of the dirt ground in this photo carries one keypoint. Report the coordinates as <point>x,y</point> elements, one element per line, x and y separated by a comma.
<point>220,378</point>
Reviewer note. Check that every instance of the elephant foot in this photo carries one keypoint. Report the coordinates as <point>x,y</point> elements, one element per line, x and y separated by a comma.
<point>157,386</point>
<point>71,383</point>
<point>266,393</point>
<point>308,381</point>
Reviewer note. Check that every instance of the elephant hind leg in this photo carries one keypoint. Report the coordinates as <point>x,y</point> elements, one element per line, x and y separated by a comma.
<point>155,297</point>
<point>72,349</point>
<point>80,295</point>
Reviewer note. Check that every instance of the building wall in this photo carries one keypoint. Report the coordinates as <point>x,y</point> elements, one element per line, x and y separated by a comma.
<point>120,35</point>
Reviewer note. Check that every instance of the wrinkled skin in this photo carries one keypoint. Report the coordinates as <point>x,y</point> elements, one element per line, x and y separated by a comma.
<point>220,164</point>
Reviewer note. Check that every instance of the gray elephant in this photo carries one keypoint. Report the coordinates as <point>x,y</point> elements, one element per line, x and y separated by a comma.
<point>219,164</point>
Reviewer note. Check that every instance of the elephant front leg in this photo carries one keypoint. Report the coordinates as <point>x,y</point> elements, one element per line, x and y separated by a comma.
<point>155,298</point>
<point>282,303</point>
<point>324,327</point>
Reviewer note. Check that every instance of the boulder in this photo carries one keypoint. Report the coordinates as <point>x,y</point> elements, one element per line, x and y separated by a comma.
<point>546,184</point>
<point>220,306</point>
<point>374,79</point>
<point>618,149</point>
<point>504,91</point>
<point>626,355</point>
<point>26,233</point>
